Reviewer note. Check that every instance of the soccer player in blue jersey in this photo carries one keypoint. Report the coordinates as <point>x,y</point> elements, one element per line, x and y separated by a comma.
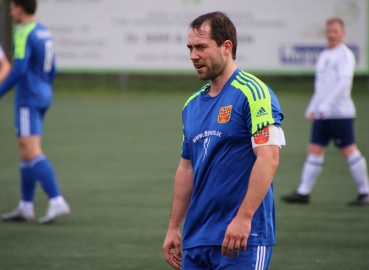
<point>32,75</point>
<point>231,140</point>
<point>4,65</point>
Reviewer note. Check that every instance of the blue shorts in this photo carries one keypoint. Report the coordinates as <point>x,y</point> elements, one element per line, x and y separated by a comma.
<point>340,130</point>
<point>210,258</point>
<point>28,121</point>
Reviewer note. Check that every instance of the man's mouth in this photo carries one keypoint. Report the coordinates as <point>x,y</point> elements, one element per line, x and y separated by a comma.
<point>198,67</point>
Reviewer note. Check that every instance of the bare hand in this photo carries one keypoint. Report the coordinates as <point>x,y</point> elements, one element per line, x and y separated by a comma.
<point>310,118</point>
<point>236,236</point>
<point>172,248</point>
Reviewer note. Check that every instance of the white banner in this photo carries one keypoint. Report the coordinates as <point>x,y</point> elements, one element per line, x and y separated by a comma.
<point>274,36</point>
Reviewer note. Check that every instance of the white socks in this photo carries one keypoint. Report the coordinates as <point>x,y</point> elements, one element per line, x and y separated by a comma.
<point>25,206</point>
<point>314,165</point>
<point>358,169</point>
<point>53,202</point>
<point>312,168</point>
<point>56,201</point>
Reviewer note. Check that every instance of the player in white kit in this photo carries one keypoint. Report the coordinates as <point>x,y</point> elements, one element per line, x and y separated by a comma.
<point>332,112</point>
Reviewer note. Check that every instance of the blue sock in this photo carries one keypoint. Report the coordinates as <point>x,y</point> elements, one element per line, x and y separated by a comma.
<point>28,182</point>
<point>43,171</point>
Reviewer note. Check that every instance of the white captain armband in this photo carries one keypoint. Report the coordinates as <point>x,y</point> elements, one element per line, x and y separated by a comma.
<point>269,135</point>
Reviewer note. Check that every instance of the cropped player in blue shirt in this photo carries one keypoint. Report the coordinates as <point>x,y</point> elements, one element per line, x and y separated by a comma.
<point>231,139</point>
<point>32,75</point>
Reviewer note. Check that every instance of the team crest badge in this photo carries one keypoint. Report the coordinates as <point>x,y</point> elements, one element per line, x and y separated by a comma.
<point>261,136</point>
<point>224,114</point>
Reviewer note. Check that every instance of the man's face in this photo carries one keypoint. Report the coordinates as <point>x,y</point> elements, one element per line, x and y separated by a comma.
<point>205,54</point>
<point>15,12</point>
<point>335,34</point>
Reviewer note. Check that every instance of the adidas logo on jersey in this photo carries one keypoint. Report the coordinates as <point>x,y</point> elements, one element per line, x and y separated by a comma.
<point>261,112</point>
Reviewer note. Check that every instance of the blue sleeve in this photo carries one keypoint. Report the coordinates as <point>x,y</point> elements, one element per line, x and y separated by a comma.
<point>185,147</point>
<point>185,150</point>
<point>276,109</point>
<point>18,70</point>
<point>22,54</point>
<point>52,73</point>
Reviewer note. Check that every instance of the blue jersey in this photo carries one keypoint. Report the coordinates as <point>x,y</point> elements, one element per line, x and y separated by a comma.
<point>33,68</point>
<point>217,135</point>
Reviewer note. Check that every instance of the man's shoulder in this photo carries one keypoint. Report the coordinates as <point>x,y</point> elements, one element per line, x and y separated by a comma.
<point>33,30</point>
<point>249,84</point>
<point>23,38</point>
<point>39,31</point>
<point>196,94</point>
<point>245,78</point>
<point>339,53</point>
<point>22,32</point>
<point>343,54</point>
<point>347,50</point>
<point>341,49</point>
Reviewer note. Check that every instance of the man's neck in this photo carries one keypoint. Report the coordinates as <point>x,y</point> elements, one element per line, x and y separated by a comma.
<point>216,85</point>
<point>27,19</point>
<point>331,46</point>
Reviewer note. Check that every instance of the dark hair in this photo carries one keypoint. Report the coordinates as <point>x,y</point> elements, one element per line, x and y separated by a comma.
<point>222,28</point>
<point>335,20</point>
<point>29,6</point>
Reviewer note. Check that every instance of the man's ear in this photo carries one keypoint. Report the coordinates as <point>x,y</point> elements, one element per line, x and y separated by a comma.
<point>228,46</point>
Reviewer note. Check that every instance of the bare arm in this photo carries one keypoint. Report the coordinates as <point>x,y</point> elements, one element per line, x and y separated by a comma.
<point>183,188</point>
<point>310,110</point>
<point>5,68</point>
<point>267,160</point>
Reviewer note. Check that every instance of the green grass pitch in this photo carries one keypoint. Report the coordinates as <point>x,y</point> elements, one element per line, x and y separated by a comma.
<point>115,154</point>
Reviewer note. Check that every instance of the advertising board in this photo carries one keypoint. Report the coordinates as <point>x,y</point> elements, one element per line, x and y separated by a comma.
<point>274,36</point>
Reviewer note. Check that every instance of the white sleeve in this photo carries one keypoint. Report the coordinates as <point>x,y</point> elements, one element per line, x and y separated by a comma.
<point>1,52</point>
<point>269,135</point>
<point>313,101</point>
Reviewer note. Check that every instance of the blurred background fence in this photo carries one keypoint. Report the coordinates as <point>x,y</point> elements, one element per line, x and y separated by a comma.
<point>280,37</point>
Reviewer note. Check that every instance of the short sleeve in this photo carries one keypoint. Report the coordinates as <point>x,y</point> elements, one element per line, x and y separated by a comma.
<point>1,52</point>
<point>262,108</point>
<point>264,112</point>
<point>185,148</point>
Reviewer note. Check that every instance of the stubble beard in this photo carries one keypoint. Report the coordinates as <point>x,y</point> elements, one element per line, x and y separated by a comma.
<point>216,68</point>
